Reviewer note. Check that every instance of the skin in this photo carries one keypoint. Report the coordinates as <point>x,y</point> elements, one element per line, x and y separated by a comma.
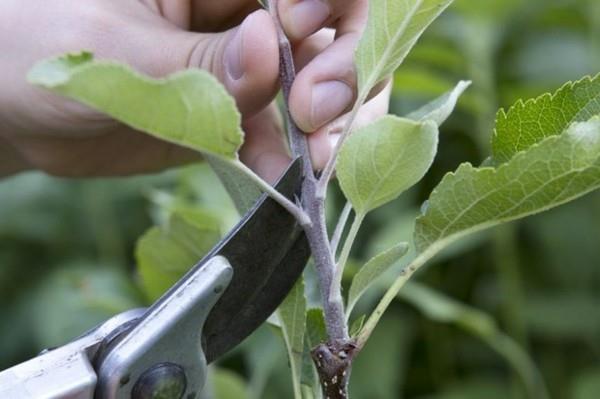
<point>233,39</point>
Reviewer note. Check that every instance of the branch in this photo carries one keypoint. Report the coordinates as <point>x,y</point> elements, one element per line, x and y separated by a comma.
<point>333,358</point>
<point>312,205</point>
<point>287,74</point>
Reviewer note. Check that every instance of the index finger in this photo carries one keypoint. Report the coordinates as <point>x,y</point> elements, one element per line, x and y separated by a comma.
<point>302,18</point>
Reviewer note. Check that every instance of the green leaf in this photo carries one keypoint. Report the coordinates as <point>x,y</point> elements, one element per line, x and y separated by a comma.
<point>241,188</point>
<point>228,385</point>
<point>373,269</point>
<point>292,315</point>
<point>165,253</point>
<point>392,30</point>
<point>315,334</point>
<point>440,109</point>
<point>557,170</point>
<point>309,378</point>
<point>189,108</point>
<point>308,392</point>
<point>357,325</point>
<point>528,123</point>
<point>315,327</point>
<point>380,161</point>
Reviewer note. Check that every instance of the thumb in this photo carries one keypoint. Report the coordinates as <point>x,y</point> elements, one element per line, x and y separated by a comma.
<point>245,58</point>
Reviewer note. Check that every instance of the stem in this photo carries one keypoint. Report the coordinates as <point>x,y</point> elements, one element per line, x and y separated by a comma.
<point>316,232</point>
<point>391,293</point>
<point>336,286</point>
<point>287,74</point>
<point>341,225</point>
<point>330,166</point>
<point>332,359</point>
<point>292,208</point>
<point>333,308</point>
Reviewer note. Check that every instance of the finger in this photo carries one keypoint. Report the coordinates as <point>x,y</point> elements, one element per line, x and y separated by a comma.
<point>323,141</point>
<point>265,149</point>
<point>306,50</point>
<point>326,87</point>
<point>244,59</point>
<point>302,18</point>
<point>177,12</point>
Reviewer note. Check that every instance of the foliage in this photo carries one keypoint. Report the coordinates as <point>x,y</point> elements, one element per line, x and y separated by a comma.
<point>371,270</point>
<point>165,253</point>
<point>190,108</point>
<point>392,30</point>
<point>548,174</point>
<point>379,162</point>
<point>292,314</point>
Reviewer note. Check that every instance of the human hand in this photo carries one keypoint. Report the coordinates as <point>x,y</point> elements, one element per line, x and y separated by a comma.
<point>44,131</point>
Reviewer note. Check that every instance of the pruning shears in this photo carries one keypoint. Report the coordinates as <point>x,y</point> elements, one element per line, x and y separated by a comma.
<point>163,351</point>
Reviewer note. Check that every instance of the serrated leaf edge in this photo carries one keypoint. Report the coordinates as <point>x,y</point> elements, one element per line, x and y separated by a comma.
<point>466,167</point>
<point>504,114</point>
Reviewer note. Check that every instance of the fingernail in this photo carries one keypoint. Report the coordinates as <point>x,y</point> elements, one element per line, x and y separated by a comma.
<point>233,56</point>
<point>329,100</point>
<point>307,16</point>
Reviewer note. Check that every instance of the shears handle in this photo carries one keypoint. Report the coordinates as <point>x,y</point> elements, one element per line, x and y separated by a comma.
<point>139,354</point>
<point>64,372</point>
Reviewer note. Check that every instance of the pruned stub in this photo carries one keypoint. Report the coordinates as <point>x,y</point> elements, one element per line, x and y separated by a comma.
<point>333,362</point>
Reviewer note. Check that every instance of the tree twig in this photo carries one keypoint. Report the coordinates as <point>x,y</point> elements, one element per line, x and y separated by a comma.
<point>313,206</point>
<point>333,358</point>
<point>287,74</point>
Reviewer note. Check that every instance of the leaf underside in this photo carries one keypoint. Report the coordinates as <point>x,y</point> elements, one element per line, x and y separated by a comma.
<point>393,28</point>
<point>439,110</point>
<point>165,253</point>
<point>382,160</point>
<point>241,188</point>
<point>292,314</point>
<point>189,108</point>
<point>371,271</point>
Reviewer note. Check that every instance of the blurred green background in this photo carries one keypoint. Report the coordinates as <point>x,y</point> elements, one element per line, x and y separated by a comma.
<point>510,313</point>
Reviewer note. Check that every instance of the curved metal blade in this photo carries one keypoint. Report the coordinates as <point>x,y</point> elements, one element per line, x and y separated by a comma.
<point>268,251</point>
